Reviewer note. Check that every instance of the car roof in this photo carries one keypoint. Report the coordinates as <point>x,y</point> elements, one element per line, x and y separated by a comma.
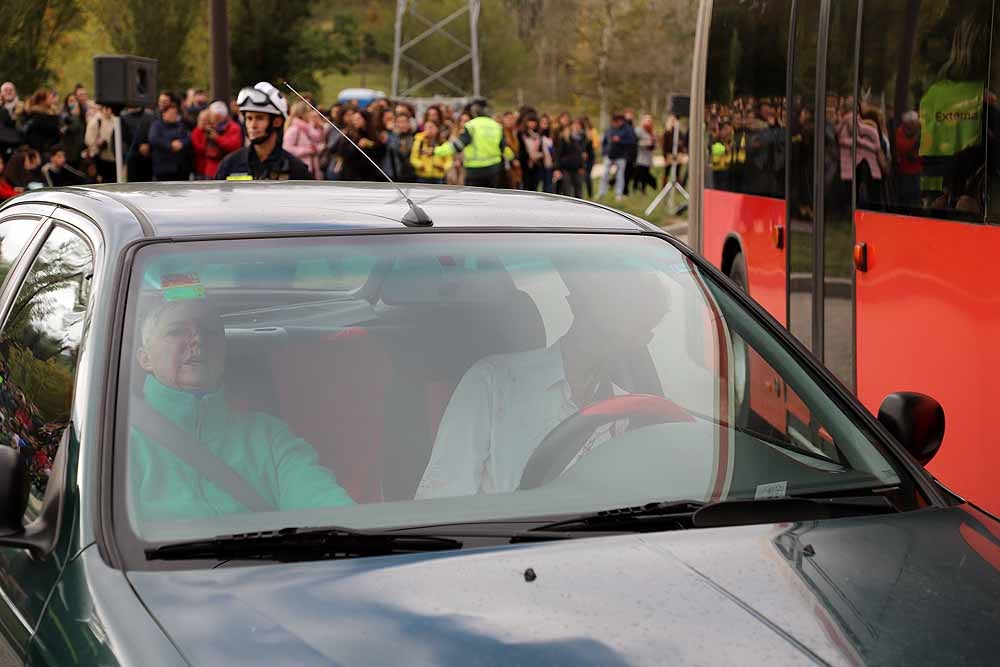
<point>200,208</point>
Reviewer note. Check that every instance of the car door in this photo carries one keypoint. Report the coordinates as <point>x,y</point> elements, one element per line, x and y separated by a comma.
<point>45,307</point>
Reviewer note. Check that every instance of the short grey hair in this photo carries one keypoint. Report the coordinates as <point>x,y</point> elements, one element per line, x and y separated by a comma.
<point>219,108</point>
<point>156,311</point>
<point>911,117</point>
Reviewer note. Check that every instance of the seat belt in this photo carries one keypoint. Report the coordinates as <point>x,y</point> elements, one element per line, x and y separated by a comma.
<point>188,449</point>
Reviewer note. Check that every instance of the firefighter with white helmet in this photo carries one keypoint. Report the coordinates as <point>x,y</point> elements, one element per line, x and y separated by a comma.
<point>264,112</point>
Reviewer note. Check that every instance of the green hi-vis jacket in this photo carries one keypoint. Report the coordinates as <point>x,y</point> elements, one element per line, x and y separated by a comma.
<point>951,117</point>
<point>260,448</point>
<point>481,142</point>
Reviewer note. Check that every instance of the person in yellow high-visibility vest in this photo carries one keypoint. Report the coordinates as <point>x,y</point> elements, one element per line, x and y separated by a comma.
<point>722,157</point>
<point>482,144</point>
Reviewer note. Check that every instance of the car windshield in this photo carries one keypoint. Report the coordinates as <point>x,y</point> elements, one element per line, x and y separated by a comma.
<point>396,380</point>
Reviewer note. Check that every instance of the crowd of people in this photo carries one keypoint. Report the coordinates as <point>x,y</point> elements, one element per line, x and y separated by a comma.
<point>933,157</point>
<point>50,140</point>
<point>21,422</point>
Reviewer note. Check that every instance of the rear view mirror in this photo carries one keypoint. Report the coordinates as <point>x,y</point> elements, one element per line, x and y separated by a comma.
<point>916,421</point>
<point>14,483</point>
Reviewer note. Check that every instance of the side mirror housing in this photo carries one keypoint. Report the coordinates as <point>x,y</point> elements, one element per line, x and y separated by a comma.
<point>14,485</point>
<point>40,535</point>
<point>916,421</point>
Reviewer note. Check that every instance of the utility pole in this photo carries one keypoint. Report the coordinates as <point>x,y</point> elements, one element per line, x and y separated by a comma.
<point>220,50</point>
<point>439,30</point>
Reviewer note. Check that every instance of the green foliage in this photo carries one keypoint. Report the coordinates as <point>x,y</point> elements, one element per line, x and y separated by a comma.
<point>40,353</point>
<point>30,29</point>
<point>279,40</point>
<point>548,53</point>
<point>155,30</point>
<point>47,382</point>
<point>51,273</point>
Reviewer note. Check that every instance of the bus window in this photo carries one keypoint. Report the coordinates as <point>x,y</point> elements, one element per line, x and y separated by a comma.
<point>921,146</point>
<point>745,97</point>
<point>993,129</point>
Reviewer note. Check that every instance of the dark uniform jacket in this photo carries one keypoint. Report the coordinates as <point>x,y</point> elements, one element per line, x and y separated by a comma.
<point>280,165</point>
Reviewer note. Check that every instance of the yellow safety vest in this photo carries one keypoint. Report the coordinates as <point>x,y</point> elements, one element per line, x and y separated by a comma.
<point>484,148</point>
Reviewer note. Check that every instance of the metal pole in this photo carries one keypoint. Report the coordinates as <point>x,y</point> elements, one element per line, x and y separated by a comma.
<point>398,50</point>
<point>119,163</point>
<point>672,184</point>
<point>438,75</point>
<point>696,125</point>
<point>220,50</point>
<point>474,38</point>
<point>436,27</point>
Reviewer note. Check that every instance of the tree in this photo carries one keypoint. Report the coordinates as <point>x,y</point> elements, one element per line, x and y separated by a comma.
<point>39,353</point>
<point>279,40</point>
<point>155,30</point>
<point>30,29</point>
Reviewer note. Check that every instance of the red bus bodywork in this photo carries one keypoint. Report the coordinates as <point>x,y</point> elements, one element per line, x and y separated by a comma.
<point>927,319</point>
<point>751,222</point>
<point>923,308</point>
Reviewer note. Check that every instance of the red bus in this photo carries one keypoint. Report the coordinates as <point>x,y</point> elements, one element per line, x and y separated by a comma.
<point>844,178</point>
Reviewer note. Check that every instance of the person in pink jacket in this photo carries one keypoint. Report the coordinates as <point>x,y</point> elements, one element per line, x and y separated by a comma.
<point>305,137</point>
<point>869,148</point>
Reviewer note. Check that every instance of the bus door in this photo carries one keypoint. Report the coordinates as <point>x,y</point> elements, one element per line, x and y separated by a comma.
<point>819,204</point>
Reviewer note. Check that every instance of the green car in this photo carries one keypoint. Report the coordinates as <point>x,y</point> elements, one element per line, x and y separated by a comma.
<point>293,424</point>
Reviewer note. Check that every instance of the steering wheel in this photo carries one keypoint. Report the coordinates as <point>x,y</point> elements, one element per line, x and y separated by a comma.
<point>566,440</point>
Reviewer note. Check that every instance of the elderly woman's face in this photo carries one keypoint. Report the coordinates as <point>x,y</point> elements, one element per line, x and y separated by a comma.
<point>185,348</point>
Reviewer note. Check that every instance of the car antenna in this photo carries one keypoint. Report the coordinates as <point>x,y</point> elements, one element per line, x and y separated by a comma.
<point>416,216</point>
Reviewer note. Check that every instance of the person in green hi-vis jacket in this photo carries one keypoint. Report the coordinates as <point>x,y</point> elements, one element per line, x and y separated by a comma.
<point>183,352</point>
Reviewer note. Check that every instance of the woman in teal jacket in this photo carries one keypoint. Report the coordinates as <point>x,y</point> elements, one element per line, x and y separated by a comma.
<point>183,353</point>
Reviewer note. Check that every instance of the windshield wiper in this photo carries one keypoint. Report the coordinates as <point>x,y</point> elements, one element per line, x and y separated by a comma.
<point>684,514</point>
<point>628,518</point>
<point>297,544</point>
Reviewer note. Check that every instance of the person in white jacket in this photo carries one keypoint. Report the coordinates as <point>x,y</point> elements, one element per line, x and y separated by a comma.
<point>506,404</point>
<point>100,140</point>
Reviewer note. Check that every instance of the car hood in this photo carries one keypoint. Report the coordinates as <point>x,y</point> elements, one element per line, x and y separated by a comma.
<point>916,588</point>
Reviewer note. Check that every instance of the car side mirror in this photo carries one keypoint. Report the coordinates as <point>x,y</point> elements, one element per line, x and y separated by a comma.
<point>14,485</point>
<point>916,421</point>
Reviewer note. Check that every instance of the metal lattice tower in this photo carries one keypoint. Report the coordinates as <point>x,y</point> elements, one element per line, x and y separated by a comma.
<point>404,9</point>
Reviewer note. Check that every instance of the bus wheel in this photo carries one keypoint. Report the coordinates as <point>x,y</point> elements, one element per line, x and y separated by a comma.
<point>738,272</point>
<point>741,364</point>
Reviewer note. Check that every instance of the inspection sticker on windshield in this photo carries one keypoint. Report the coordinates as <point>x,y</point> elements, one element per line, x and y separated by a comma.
<point>179,286</point>
<point>772,490</point>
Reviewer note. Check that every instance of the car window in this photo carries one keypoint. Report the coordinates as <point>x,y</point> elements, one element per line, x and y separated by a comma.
<point>14,236</point>
<point>427,400</point>
<point>39,349</point>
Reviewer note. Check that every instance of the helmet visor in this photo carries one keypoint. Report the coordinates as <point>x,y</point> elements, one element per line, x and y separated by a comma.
<point>257,98</point>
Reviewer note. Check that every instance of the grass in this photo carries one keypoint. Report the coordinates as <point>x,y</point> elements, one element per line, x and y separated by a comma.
<point>636,202</point>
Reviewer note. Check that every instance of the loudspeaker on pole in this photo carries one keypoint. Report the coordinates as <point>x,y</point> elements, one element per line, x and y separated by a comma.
<point>680,105</point>
<point>125,81</point>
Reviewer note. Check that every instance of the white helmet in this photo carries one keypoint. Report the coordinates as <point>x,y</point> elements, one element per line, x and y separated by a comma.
<point>264,98</point>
